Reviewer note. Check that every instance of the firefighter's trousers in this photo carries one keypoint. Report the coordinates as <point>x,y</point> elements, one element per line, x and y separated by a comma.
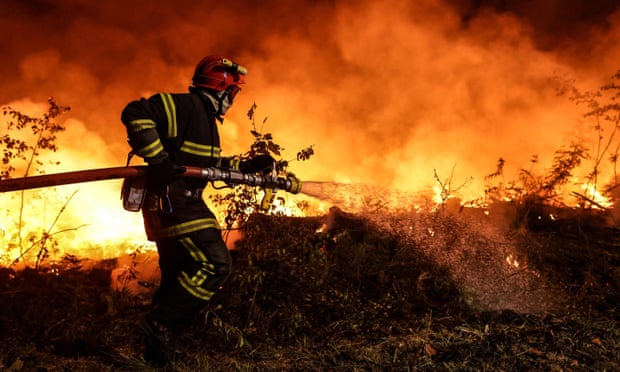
<point>193,266</point>
<point>193,258</point>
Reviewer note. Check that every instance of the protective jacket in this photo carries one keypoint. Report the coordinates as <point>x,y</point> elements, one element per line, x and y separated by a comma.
<point>183,127</point>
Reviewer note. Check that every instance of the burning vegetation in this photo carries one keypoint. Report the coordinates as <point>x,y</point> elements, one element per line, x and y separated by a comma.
<point>340,291</point>
<point>353,276</point>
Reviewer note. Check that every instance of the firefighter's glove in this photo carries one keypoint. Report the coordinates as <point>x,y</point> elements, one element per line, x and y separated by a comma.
<point>160,173</point>
<point>260,163</point>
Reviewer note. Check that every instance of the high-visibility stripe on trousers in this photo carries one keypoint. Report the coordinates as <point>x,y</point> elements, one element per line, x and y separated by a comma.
<point>208,263</point>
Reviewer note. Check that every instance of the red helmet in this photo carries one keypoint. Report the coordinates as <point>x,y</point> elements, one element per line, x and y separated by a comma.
<point>218,73</point>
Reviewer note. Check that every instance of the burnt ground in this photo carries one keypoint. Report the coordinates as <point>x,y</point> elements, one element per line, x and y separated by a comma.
<point>426,292</point>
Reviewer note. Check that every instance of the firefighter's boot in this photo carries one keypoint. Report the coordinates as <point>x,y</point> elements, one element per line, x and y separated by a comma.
<point>160,343</point>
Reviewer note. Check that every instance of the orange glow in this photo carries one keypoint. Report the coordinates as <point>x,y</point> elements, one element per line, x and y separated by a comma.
<point>512,261</point>
<point>386,94</point>
<point>596,196</point>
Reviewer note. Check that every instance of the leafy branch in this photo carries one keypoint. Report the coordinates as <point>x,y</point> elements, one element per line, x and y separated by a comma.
<point>603,111</point>
<point>244,200</point>
<point>533,190</point>
<point>265,144</point>
<point>44,128</point>
<point>25,149</point>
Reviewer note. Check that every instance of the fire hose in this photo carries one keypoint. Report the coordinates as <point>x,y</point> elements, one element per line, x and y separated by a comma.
<point>231,177</point>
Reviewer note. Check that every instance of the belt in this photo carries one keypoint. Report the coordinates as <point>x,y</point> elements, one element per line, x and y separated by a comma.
<point>165,204</point>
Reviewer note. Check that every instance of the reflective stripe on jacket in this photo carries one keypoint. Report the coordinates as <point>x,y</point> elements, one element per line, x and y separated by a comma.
<point>183,127</point>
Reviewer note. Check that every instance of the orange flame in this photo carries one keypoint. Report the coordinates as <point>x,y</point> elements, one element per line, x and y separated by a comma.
<point>386,97</point>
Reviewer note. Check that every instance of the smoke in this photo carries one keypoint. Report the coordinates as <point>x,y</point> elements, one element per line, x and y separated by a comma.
<point>387,93</point>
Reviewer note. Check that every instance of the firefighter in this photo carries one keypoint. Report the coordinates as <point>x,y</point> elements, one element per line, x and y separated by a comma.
<point>170,131</point>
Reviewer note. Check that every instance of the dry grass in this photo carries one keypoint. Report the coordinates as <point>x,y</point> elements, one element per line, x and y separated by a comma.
<point>368,293</point>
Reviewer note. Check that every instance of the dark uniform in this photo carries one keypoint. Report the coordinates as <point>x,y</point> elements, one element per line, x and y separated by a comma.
<point>170,131</point>
<point>193,257</point>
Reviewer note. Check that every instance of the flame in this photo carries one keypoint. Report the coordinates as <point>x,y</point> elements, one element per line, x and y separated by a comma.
<point>512,261</point>
<point>514,264</point>
<point>600,200</point>
<point>385,97</point>
<point>282,207</point>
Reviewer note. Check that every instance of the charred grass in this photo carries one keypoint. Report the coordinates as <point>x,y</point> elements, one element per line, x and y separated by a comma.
<point>421,292</point>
